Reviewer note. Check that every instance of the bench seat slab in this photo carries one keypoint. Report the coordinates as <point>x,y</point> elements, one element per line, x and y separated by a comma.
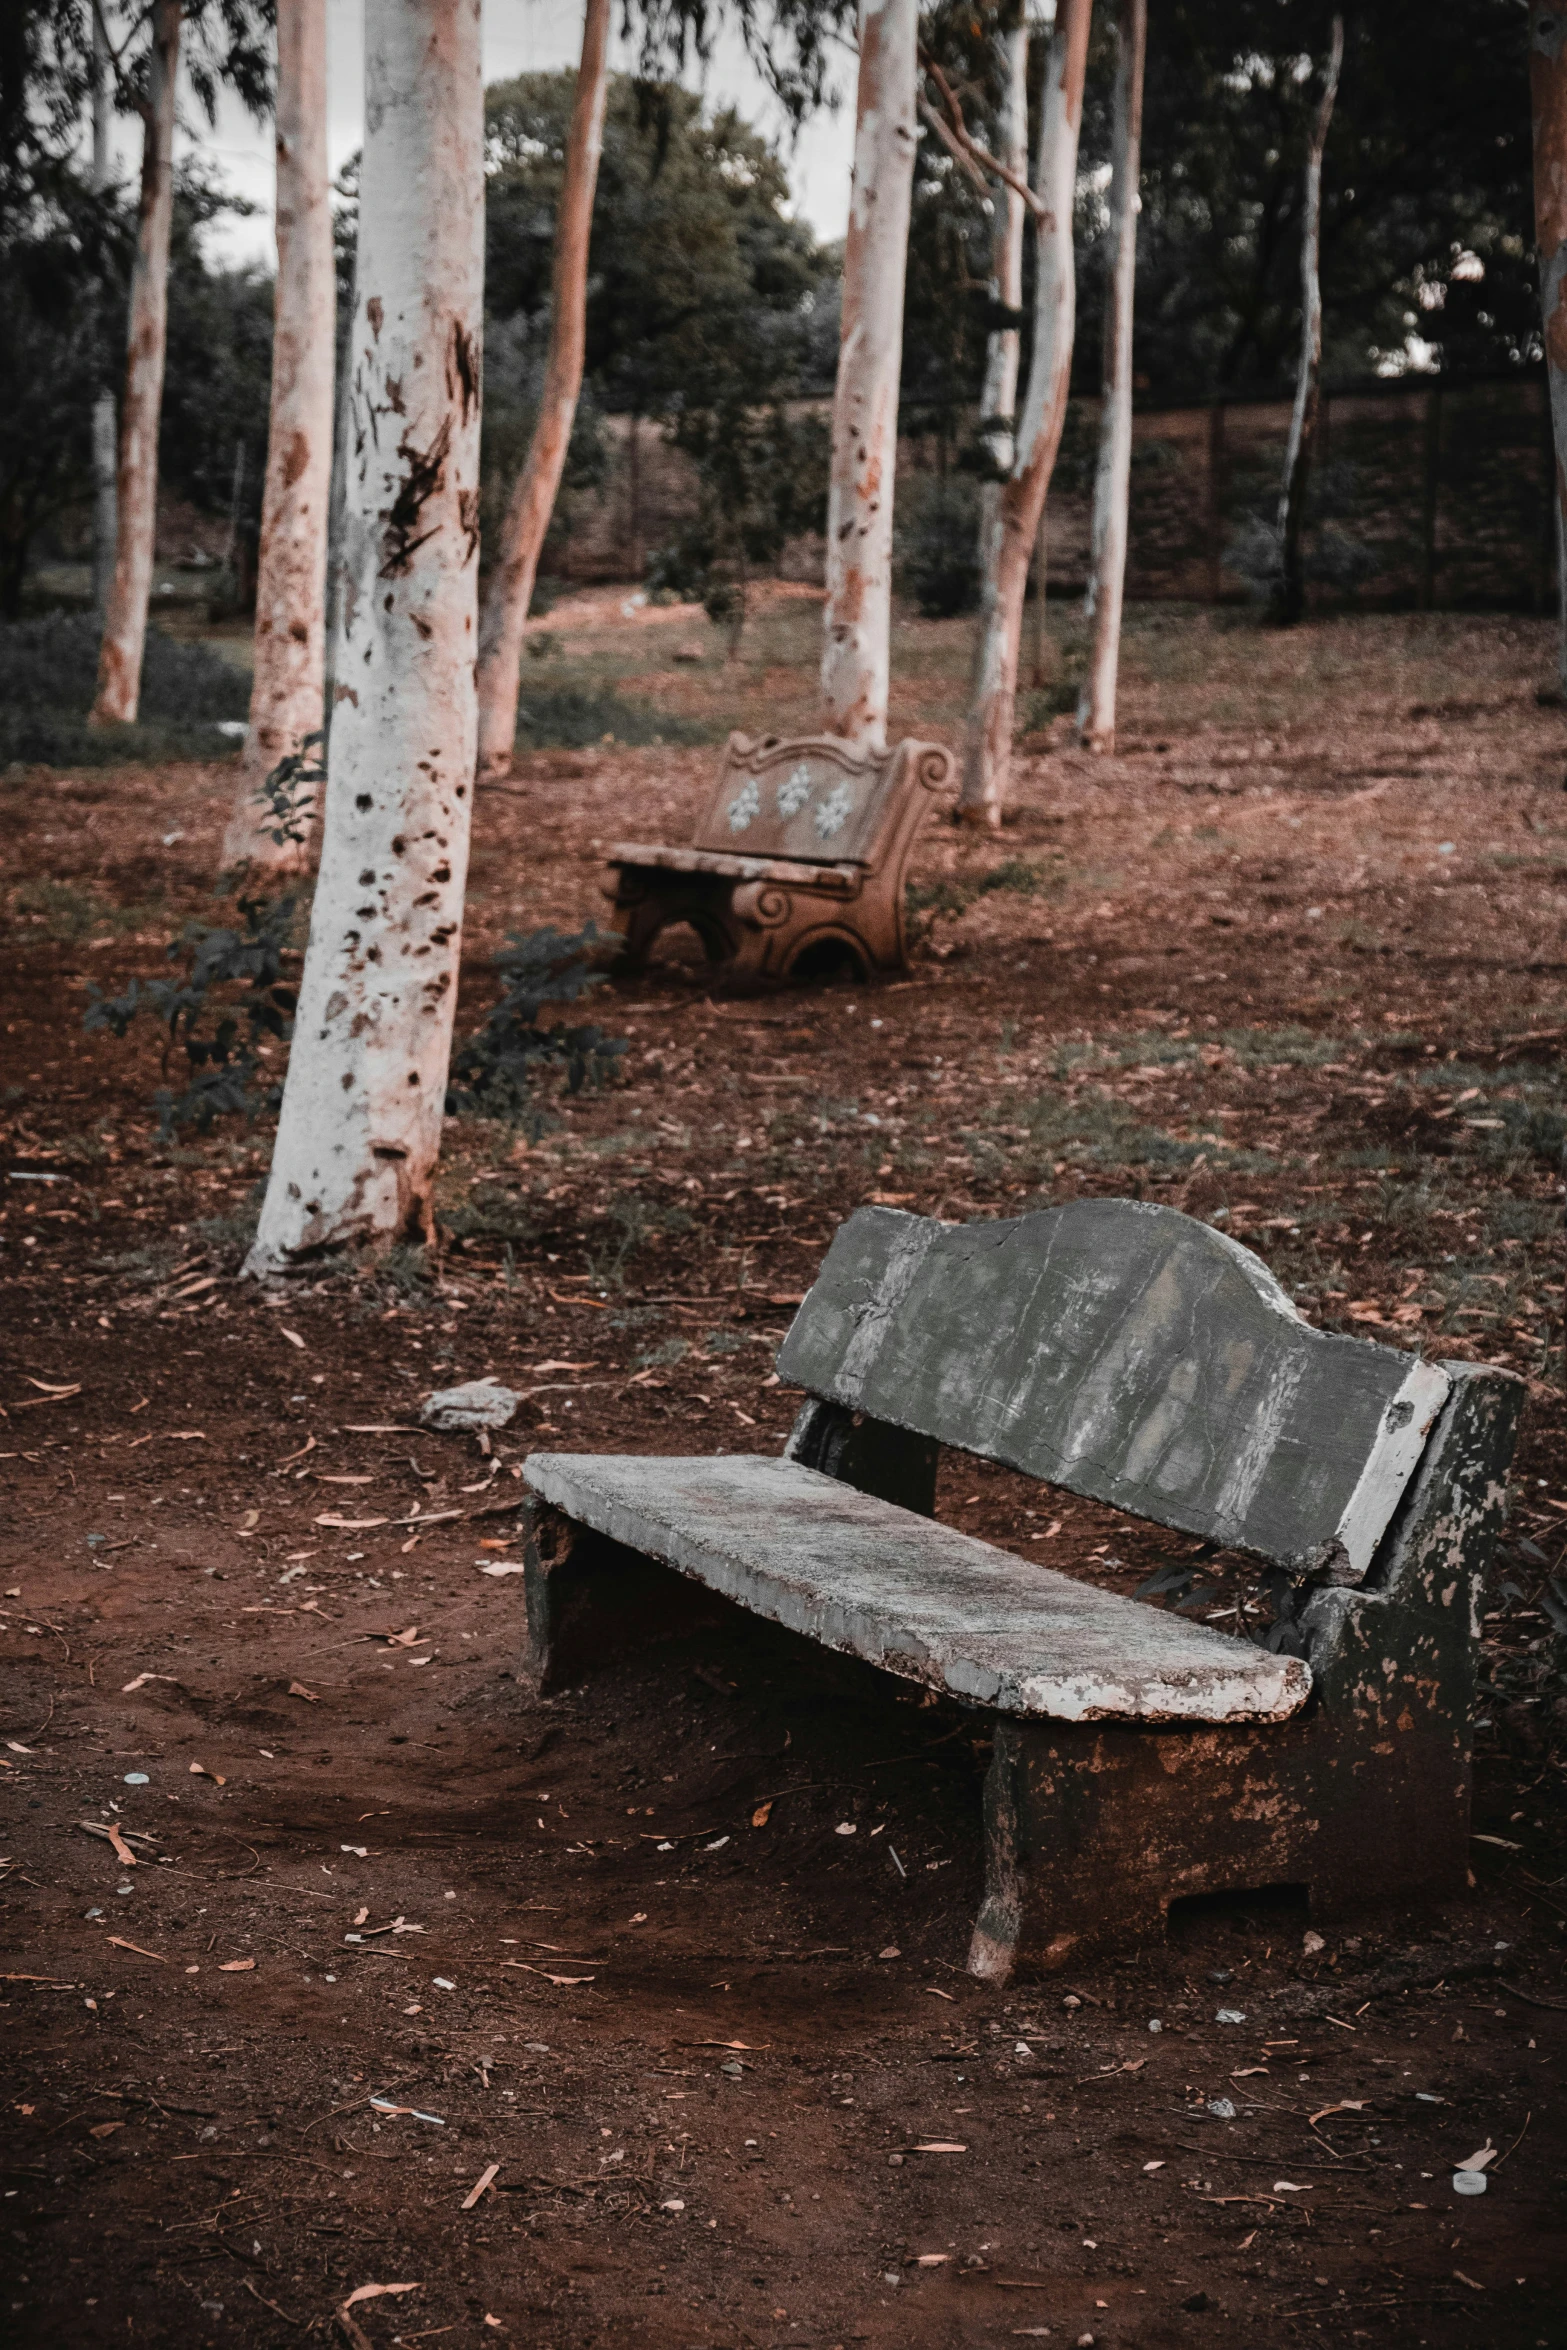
<point>919,1599</point>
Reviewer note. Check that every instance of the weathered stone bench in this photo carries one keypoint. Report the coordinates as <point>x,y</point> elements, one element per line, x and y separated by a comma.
<point>797,866</point>
<point>1124,1352</point>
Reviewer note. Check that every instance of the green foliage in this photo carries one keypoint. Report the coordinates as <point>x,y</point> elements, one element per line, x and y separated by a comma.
<point>1412,182</point>
<point>230,997</point>
<point>763,476</point>
<point>569,718</point>
<point>48,675</point>
<point>705,302</point>
<point>495,1074</point>
<point>938,546</point>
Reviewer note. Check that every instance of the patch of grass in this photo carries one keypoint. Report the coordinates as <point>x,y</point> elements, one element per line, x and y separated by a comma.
<point>491,1214</point>
<point>952,898</point>
<point>1290,1048</point>
<point>664,1356</point>
<point>49,675</point>
<point>68,912</point>
<point>571,718</point>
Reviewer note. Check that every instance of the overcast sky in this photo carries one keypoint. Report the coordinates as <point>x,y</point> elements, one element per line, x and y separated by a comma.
<point>520,36</point>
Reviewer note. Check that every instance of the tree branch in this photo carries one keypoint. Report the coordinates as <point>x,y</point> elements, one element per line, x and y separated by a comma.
<point>960,142</point>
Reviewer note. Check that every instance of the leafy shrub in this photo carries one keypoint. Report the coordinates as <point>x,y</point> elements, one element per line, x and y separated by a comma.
<point>493,1074</point>
<point>938,549</point>
<point>233,978</point>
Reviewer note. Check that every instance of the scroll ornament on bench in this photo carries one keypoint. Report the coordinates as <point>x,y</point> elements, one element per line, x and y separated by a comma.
<point>1127,1353</point>
<point>797,867</point>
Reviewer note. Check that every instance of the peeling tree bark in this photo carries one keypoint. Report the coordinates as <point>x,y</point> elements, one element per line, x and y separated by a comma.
<point>1306,415</point>
<point>537,486</point>
<point>858,612</point>
<point>987,748</point>
<point>362,1108</point>
<point>998,400</point>
<point>285,699</point>
<point>106,505</point>
<point>1548,109</point>
<point>1112,482</point>
<point>125,620</point>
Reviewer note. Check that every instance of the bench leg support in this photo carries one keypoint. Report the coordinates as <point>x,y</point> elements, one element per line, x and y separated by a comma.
<point>1093,1830</point>
<point>590,1599</point>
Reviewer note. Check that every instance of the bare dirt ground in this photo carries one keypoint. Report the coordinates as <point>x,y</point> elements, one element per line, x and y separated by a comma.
<point>1295,960</point>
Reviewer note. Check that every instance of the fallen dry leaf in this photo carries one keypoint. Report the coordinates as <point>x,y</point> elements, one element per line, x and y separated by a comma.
<point>141,1681</point>
<point>298,1689</point>
<point>762,1814</point>
<point>237,1966</point>
<point>120,1943</point>
<point>1345,2105</point>
<point>104,2129</point>
<point>294,1339</point>
<point>481,2186</point>
<point>200,1771</point>
<point>939,2146</point>
<point>354,1525</point>
<point>566,1982</point>
<point>111,1835</point>
<point>356,2333</point>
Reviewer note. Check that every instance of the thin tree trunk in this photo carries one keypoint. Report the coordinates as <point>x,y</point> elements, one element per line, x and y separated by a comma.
<point>125,622</point>
<point>337,494</point>
<point>1548,109</point>
<point>106,505</point>
<point>285,698</point>
<point>1291,601</point>
<point>857,617</point>
<point>987,749</point>
<point>538,484</point>
<point>1112,485</point>
<point>998,400</point>
<point>363,1105</point>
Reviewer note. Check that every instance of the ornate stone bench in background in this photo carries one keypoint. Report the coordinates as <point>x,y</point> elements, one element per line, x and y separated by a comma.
<point>1125,1352</point>
<point>798,866</point>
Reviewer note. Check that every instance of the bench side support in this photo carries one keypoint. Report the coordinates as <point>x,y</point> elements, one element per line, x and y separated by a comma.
<point>589,1599</point>
<point>874,1456</point>
<point>1092,1829</point>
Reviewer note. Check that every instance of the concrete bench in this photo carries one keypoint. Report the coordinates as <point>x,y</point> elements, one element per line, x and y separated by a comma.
<point>798,865</point>
<point>1124,1352</point>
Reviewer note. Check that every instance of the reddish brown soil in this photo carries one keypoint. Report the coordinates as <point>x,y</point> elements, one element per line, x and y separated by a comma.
<point>700,2029</point>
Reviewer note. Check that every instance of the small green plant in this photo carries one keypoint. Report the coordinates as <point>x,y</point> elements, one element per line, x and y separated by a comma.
<point>290,792</point>
<point>633,1222</point>
<point>231,996</point>
<point>494,1074</point>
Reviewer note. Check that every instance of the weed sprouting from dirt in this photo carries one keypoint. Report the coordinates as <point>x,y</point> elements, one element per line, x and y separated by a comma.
<point>635,1224</point>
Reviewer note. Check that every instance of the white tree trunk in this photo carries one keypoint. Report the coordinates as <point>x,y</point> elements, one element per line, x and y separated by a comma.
<point>1291,601</point>
<point>105,454</point>
<point>285,697</point>
<point>363,1105</point>
<point>125,621</point>
<point>1112,482</point>
<point>998,400</point>
<point>1548,110</point>
<point>987,747</point>
<point>538,484</point>
<point>858,614</point>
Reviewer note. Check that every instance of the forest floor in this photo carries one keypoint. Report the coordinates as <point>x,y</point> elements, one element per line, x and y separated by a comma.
<point>1295,959</point>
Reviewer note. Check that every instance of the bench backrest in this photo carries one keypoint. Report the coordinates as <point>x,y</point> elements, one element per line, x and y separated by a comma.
<point>816,800</point>
<point>1129,1353</point>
